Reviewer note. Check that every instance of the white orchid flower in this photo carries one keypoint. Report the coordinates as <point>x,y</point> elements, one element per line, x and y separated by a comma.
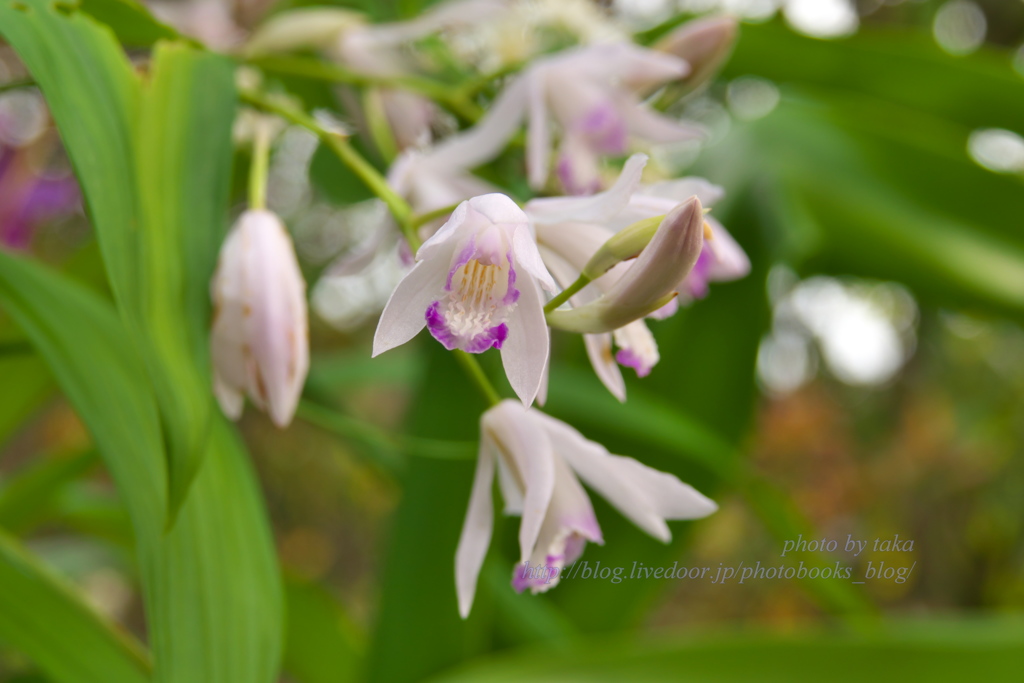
<point>260,337</point>
<point>539,462</point>
<point>591,93</point>
<point>570,230</point>
<point>476,286</point>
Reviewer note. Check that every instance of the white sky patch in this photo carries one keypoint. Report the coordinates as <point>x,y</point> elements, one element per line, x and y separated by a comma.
<point>960,27</point>
<point>822,18</point>
<point>997,150</point>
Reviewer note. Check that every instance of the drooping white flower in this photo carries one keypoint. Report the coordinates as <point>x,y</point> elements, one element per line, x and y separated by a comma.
<point>591,94</point>
<point>476,286</point>
<point>539,462</point>
<point>260,336</point>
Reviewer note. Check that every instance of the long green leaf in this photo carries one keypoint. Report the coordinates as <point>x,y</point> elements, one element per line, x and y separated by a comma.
<point>184,165</point>
<point>44,618</point>
<point>154,163</point>
<point>211,586</point>
<point>953,654</point>
<point>901,66</point>
<point>322,645</point>
<point>28,497</point>
<point>93,95</point>
<point>130,21</point>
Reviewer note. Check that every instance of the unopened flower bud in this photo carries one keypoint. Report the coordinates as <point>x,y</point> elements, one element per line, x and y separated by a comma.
<point>305,28</point>
<point>650,282</point>
<point>705,44</point>
<point>624,245</point>
<point>260,337</point>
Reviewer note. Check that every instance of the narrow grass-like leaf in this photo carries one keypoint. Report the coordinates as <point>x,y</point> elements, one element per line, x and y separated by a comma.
<point>44,618</point>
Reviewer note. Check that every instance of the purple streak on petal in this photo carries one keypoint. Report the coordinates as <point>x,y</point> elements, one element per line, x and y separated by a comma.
<point>439,328</point>
<point>493,338</point>
<point>630,359</point>
<point>464,257</point>
<point>568,179</point>
<point>605,129</point>
<point>511,294</point>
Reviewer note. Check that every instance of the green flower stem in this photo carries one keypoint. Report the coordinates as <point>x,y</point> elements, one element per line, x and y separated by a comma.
<point>563,296</point>
<point>452,98</point>
<point>17,84</point>
<point>399,208</point>
<point>260,167</point>
<point>424,218</point>
<point>338,144</point>
<point>479,377</point>
<point>385,447</point>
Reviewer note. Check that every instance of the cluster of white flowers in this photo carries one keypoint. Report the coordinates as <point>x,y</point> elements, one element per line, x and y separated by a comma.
<point>483,278</point>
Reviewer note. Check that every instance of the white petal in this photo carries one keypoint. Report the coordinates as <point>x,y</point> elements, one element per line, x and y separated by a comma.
<point>570,519</point>
<point>599,351</point>
<point>278,324</point>
<point>654,127</point>
<point>595,465</point>
<point>440,240</point>
<point>645,495</point>
<point>499,208</point>
<point>538,133</point>
<point>731,262</point>
<point>527,257</point>
<point>510,491</point>
<point>682,189</point>
<point>574,242</point>
<point>542,393</point>
<point>404,314</point>
<point>598,208</point>
<point>527,446</point>
<point>230,399</point>
<point>488,137</point>
<point>642,69</point>
<point>476,531</point>
<point>665,493</point>
<point>525,352</point>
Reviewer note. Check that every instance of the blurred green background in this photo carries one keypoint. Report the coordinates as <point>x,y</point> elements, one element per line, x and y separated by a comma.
<point>866,380</point>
